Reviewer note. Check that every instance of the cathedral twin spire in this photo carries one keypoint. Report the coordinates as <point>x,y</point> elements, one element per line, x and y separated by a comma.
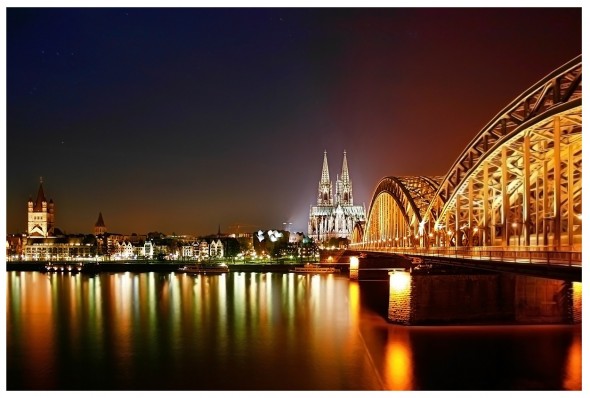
<point>343,186</point>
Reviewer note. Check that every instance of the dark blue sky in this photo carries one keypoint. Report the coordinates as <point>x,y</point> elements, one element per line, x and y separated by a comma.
<point>180,120</point>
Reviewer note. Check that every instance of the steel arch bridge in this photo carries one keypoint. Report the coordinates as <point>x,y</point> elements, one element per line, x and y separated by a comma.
<point>517,185</point>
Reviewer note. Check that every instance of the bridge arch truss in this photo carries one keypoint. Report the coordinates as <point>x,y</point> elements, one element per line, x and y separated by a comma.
<point>518,183</point>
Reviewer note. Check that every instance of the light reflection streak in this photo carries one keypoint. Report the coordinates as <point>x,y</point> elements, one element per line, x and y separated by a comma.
<point>252,296</point>
<point>573,370</point>
<point>175,308</point>
<point>316,295</point>
<point>269,297</point>
<point>152,329</point>
<point>239,304</point>
<point>124,323</point>
<point>35,317</point>
<point>329,292</point>
<point>95,310</point>
<point>74,312</point>
<point>223,313</point>
<point>135,297</point>
<point>398,373</point>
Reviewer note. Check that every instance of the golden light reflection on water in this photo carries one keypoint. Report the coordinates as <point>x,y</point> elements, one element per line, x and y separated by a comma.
<point>398,374</point>
<point>95,315</point>
<point>573,371</point>
<point>121,310</point>
<point>30,318</point>
<point>175,308</point>
<point>268,331</point>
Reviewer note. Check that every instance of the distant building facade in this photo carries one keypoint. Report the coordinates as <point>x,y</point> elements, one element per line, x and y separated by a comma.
<point>59,248</point>
<point>335,214</point>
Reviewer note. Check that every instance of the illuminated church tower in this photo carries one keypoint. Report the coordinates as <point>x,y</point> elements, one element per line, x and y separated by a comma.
<point>41,215</point>
<point>344,186</point>
<point>334,216</point>
<point>325,185</point>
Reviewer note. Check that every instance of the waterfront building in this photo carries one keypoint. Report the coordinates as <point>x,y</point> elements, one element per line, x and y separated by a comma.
<point>45,242</point>
<point>59,248</point>
<point>203,249</point>
<point>122,250</point>
<point>335,214</point>
<point>216,249</point>
<point>188,251</point>
<point>14,246</point>
<point>148,249</point>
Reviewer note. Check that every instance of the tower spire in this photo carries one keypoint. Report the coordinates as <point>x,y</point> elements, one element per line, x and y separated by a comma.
<point>344,176</point>
<point>346,184</point>
<point>100,221</point>
<point>325,172</point>
<point>40,196</point>
<point>325,185</point>
<point>99,227</point>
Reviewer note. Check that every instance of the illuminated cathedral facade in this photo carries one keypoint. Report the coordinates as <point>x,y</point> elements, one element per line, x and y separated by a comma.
<point>334,215</point>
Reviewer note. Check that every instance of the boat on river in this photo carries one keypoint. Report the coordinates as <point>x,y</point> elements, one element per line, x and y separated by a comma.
<point>204,269</point>
<point>315,269</point>
<point>63,267</point>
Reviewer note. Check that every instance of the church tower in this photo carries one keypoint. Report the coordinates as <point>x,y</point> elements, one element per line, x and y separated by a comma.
<point>99,227</point>
<point>41,215</point>
<point>345,185</point>
<point>325,185</point>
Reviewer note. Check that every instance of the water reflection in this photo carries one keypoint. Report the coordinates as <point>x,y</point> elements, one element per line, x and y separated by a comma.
<point>398,364</point>
<point>257,331</point>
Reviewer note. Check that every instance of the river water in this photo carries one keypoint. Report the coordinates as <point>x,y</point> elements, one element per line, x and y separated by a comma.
<point>259,331</point>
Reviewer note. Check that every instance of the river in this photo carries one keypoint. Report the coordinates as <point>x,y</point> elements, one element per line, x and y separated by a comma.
<point>260,331</point>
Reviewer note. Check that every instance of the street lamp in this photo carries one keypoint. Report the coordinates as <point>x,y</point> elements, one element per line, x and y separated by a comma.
<point>514,225</point>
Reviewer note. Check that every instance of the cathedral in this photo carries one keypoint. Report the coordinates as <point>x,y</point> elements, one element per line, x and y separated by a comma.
<point>335,214</point>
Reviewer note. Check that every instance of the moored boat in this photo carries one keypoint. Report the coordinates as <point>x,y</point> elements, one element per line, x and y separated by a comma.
<point>58,267</point>
<point>315,269</point>
<point>204,269</point>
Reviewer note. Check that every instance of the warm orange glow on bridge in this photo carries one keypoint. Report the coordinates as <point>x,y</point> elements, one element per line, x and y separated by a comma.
<point>399,282</point>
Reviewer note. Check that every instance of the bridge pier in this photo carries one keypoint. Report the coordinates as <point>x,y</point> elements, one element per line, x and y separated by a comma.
<point>375,266</point>
<point>464,297</point>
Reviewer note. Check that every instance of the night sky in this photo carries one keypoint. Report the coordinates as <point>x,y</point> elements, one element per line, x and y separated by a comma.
<point>180,120</point>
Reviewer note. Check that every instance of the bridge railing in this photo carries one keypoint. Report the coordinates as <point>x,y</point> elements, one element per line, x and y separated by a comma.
<point>535,255</point>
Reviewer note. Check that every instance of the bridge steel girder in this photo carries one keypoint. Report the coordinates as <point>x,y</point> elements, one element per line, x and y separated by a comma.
<point>397,210</point>
<point>521,175</point>
<point>517,183</point>
<point>357,232</point>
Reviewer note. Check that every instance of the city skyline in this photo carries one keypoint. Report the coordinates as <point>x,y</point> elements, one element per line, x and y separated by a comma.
<point>184,120</point>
